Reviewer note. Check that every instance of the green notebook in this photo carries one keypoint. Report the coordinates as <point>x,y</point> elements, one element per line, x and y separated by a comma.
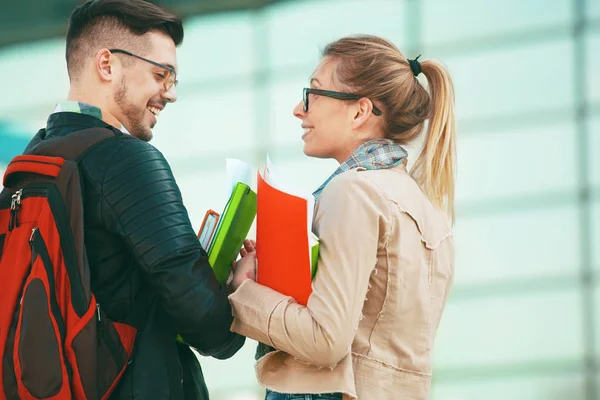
<point>313,242</point>
<point>232,229</point>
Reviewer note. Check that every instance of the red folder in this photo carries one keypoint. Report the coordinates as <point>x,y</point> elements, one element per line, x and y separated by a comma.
<point>282,242</point>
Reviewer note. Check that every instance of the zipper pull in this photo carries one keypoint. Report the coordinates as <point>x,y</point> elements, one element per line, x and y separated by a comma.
<point>16,199</point>
<point>32,235</point>
<point>34,252</point>
<point>15,204</point>
<point>98,312</point>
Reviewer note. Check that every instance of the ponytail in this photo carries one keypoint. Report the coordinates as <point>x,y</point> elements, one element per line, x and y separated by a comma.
<point>434,170</point>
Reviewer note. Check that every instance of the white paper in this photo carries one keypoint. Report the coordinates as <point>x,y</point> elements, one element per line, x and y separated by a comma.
<point>237,171</point>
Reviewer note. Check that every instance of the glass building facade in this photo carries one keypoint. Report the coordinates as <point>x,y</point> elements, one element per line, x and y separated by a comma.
<point>523,319</point>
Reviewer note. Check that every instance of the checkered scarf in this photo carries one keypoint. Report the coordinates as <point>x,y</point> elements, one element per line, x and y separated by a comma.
<point>373,154</point>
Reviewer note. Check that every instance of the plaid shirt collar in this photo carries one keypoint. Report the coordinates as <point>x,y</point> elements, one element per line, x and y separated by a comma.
<point>373,154</point>
<point>81,108</point>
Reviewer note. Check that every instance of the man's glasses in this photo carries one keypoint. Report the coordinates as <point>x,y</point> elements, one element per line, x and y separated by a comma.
<point>170,76</point>
<point>333,95</point>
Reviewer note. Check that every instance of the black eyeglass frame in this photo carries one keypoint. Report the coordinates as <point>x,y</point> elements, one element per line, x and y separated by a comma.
<point>171,71</point>
<point>334,95</point>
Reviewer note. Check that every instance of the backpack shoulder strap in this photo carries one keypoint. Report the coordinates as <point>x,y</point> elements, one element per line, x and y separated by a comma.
<point>71,146</point>
<point>47,156</point>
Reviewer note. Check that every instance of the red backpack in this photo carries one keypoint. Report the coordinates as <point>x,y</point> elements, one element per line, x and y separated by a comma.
<point>55,340</point>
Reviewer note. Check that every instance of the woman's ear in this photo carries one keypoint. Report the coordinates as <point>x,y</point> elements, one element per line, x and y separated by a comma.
<point>362,112</point>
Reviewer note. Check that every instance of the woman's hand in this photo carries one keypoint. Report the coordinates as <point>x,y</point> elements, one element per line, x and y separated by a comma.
<point>249,247</point>
<point>245,268</point>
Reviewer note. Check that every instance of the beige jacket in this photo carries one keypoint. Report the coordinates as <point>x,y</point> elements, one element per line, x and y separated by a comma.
<point>386,264</point>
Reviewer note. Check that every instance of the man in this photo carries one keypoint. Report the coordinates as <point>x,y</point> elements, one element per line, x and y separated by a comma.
<point>142,250</point>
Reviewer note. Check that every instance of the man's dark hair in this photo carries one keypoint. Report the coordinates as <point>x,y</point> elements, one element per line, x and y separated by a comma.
<point>115,24</point>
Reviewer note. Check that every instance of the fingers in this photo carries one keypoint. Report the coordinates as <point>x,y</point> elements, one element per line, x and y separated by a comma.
<point>249,245</point>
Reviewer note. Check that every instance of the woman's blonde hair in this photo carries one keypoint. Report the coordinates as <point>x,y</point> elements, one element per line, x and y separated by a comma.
<point>376,69</point>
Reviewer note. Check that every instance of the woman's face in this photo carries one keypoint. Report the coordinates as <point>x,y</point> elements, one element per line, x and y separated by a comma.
<point>330,125</point>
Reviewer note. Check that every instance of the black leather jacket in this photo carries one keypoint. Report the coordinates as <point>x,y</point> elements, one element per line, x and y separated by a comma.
<point>144,255</point>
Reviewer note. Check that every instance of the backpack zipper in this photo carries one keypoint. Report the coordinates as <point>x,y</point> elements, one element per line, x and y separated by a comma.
<point>15,204</point>
<point>48,190</point>
<point>109,342</point>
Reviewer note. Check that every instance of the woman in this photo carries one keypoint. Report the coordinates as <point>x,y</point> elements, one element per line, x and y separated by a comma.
<point>386,259</point>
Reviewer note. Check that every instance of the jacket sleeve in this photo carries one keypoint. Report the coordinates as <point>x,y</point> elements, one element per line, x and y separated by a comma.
<point>322,332</point>
<point>142,204</point>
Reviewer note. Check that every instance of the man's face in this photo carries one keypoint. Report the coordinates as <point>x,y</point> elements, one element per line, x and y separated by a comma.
<point>140,94</point>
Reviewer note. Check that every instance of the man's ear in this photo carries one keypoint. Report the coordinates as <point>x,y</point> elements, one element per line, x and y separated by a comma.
<point>106,64</point>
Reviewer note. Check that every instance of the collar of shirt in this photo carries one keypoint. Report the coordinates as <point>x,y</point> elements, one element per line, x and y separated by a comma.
<point>82,108</point>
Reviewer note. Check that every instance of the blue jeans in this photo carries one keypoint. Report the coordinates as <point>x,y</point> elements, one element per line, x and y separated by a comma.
<point>281,396</point>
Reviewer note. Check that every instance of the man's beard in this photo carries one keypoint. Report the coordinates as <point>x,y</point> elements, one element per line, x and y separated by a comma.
<point>133,115</point>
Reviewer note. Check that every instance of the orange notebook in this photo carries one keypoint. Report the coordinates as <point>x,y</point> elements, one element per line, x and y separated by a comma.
<point>284,249</point>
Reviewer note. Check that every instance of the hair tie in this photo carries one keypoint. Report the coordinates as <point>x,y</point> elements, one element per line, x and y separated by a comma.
<point>415,65</point>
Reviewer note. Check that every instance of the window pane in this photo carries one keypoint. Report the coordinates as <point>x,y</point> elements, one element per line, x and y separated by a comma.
<point>216,46</point>
<point>596,240</point>
<point>518,388</point>
<point>207,122</point>
<point>225,378</point>
<point>597,313</point>
<point>512,163</point>
<point>38,75</point>
<point>533,327</point>
<point>13,141</point>
<point>201,191</point>
<point>448,21</point>
<point>284,95</point>
<point>519,245</point>
<point>298,31</point>
<point>593,66</point>
<point>2,170</point>
<point>29,118</point>
<point>594,149</point>
<point>593,9</point>
<point>517,80</point>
